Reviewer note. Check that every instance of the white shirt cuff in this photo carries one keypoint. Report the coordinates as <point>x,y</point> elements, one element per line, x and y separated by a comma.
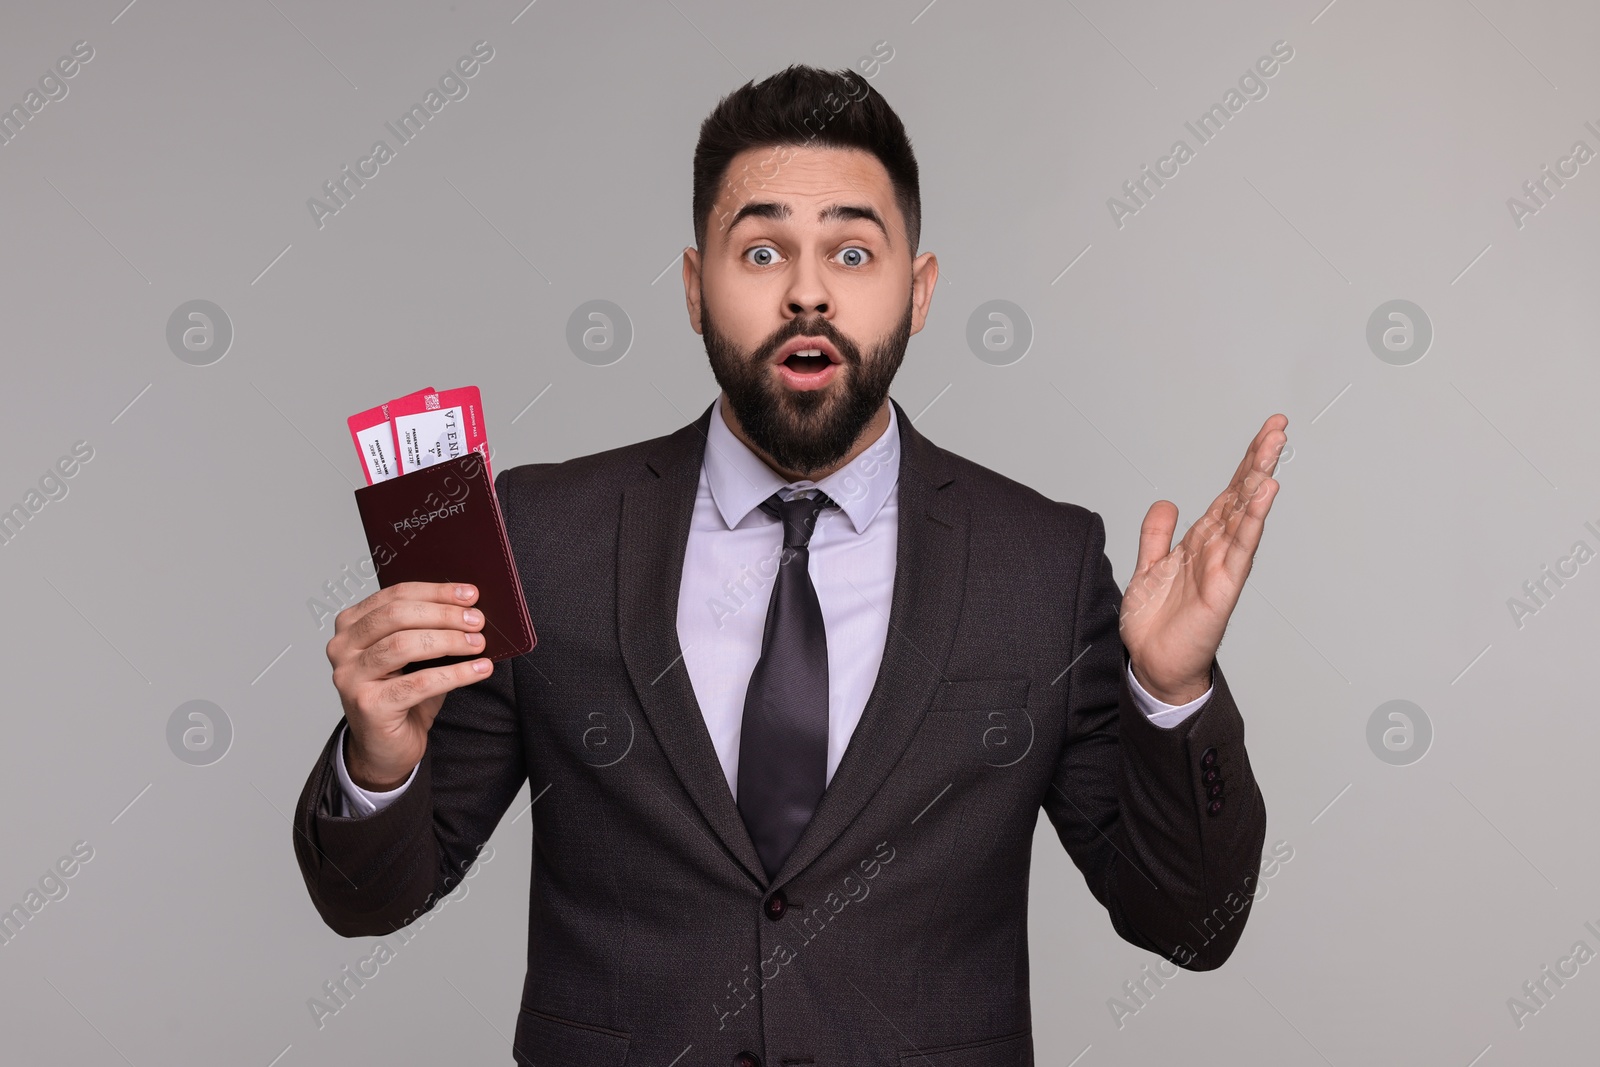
<point>1159,712</point>
<point>360,801</point>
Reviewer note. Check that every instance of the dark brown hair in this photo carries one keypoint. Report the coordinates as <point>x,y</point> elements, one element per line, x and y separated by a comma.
<point>804,106</point>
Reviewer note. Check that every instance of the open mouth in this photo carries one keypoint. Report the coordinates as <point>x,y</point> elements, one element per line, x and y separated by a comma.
<point>807,363</point>
<point>812,361</point>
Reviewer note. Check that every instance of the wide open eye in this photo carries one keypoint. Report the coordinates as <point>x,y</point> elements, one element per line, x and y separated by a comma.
<point>770,257</point>
<point>861,256</point>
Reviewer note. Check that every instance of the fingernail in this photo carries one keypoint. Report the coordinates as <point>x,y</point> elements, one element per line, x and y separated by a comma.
<point>464,592</point>
<point>472,616</point>
<point>481,666</point>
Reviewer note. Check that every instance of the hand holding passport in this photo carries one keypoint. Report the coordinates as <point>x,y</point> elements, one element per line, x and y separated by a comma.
<point>434,526</point>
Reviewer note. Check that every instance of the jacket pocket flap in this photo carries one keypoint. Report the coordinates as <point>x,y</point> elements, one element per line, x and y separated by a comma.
<point>544,1039</point>
<point>1013,1050</point>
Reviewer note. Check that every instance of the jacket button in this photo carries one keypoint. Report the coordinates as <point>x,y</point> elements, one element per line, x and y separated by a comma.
<point>1214,807</point>
<point>1215,790</point>
<point>746,1059</point>
<point>776,905</point>
<point>1208,757</point>
<point>1211,775</point>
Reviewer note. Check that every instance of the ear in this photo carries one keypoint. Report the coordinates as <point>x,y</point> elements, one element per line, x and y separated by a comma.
<point>691,286</point>
<point>924,273</point>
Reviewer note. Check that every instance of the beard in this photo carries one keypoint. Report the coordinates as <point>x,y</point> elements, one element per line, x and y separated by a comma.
<point>807,430</point>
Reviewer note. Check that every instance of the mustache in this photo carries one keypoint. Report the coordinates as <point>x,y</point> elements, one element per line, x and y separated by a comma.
<point>847,350</point>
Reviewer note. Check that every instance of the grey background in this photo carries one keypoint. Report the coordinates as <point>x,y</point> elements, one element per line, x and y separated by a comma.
<point>1416,501</point>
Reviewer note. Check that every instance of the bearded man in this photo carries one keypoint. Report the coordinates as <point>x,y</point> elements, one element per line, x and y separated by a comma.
<point>804,679</point>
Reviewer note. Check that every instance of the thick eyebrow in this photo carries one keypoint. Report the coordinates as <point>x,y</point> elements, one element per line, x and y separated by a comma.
<point>842,212</point>
<point>768,209</point>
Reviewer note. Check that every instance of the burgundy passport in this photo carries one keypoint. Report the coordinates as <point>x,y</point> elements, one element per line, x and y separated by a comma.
<point>442,523</point>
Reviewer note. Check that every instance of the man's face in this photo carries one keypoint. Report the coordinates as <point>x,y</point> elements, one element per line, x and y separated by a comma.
<point>806,295</point>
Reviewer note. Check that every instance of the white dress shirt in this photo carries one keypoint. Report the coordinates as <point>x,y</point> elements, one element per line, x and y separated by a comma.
<point>728,568</point>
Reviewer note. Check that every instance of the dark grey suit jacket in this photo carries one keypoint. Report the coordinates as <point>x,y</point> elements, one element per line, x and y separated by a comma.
<point>897,930</point>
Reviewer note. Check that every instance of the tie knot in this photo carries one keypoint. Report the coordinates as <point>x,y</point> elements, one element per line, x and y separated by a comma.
<point>798,515</point>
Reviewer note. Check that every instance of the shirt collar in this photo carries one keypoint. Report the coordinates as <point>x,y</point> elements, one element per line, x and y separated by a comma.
<point>740,480</point>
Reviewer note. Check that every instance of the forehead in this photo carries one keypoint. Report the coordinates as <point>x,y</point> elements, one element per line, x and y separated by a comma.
<point>806,174</point>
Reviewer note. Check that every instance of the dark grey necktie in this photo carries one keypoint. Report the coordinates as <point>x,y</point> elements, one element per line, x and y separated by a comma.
<point>783,741</point>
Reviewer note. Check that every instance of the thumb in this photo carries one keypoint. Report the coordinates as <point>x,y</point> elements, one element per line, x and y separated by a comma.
<point>1155,533</point>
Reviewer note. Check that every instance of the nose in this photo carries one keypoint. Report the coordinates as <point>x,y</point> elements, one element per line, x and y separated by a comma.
<point>807,294</point>
<point>819,307</point>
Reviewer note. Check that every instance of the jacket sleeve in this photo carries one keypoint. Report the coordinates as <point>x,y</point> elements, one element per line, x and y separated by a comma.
<point>1166,825</point>
<point>371,875</point>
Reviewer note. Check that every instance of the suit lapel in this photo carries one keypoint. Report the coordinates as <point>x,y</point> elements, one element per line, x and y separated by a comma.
<point>656,512</point>
<point>930,574</point>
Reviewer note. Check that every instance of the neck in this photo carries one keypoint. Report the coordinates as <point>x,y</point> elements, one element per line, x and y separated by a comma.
<point>874,429</point>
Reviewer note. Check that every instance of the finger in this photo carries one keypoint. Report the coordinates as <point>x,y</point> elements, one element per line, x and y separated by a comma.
<point>1272,444</point>
<point>1214,535</point>
<point>1255,482</point>
<point>1218,519</point>
<point>399,615</point>
<point>1260,461</point>
<point>1253,453</point>
<point>1269,449</point>
<point>1247,537</point>
<point>397,694</point>
<point>1226,512</point>
<point>1226,504</point>
<point>1231,506</point>
<point>1155,534</point>
<point>436,592</point>
<point>395,650</point>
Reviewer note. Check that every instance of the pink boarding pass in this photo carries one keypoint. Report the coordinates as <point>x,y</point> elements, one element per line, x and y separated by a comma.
<point>374,440</point>
<point>431,427</point>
